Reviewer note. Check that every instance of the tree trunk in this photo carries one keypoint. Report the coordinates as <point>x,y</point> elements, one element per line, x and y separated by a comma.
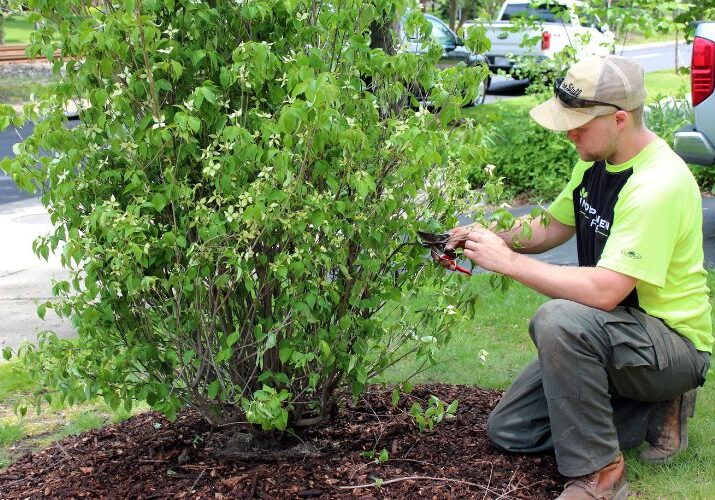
<point>452,14</point>
<point>381,36</point>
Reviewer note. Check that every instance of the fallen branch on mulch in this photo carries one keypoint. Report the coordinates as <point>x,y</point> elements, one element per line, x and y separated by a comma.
<point>378,484</point>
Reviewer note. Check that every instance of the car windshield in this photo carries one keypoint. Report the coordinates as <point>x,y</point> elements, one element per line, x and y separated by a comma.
<point>441,33</point>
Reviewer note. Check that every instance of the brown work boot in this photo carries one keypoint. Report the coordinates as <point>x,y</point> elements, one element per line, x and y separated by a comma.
<point>608,483</point>
<point>667,438</point>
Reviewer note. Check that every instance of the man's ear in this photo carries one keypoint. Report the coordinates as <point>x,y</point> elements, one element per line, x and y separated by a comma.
<point>622,118</point>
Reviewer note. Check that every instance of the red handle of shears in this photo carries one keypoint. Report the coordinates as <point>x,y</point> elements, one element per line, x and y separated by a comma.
<point>453,266</point>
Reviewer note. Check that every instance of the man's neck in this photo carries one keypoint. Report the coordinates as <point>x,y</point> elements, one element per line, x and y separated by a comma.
<point>631,145</point>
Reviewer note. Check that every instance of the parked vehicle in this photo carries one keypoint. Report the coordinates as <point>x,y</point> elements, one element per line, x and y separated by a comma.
<point>696,143</point>
<point>454,51</point>
<point>560,23</point>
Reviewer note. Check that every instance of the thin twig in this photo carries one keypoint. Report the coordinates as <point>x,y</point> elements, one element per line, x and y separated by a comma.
<point>489,482</point>
<point>197,479</point>
<point>413,478</point>
<point>229,424</point>
<point>506,493</point>
<point>62,448</point>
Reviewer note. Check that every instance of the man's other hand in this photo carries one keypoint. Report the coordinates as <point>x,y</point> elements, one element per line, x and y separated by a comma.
<point>488,250</point>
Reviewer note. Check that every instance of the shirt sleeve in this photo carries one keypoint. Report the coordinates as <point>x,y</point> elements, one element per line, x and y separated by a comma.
<point>561,208</point>
<point>644,233</point>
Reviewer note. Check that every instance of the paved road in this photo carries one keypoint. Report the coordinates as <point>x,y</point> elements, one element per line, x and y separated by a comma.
<point>25,280</point>
<point>660,56</point>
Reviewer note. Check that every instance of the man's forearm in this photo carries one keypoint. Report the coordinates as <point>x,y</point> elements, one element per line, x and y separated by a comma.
<point>579,284</point>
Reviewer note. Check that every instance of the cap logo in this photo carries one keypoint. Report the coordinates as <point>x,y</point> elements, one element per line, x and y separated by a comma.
<point>571,89</point>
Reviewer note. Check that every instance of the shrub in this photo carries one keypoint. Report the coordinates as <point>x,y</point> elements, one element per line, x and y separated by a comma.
<point>238,207</point>
<point>532,160</point>
<point>664,117</point>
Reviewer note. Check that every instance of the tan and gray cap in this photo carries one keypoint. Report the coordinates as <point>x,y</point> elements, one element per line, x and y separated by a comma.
<point>612,81</point>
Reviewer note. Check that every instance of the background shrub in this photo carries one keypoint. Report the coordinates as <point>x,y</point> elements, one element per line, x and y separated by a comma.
<point>533,161</point>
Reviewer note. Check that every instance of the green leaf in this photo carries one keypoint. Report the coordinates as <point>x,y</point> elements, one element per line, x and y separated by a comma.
<point>213,388</point>
<point>285,353</point>
<point>6,353</point>
<point>232,339</point>
<point>177,69</point>
<point>42,310</point>
<point>158,201</point>
<point>223,355</point>
<point>383,457</point>
<point>395,397</point>
<point>209,95</point>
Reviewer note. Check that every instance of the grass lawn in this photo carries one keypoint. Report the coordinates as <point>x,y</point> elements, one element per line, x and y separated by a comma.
<point>33,432</point>
<point>17,30</point>
<point>19,90</point>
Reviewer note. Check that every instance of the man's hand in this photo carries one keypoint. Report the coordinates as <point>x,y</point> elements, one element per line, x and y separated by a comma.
<point>488,250</point>
<point>459,236</point>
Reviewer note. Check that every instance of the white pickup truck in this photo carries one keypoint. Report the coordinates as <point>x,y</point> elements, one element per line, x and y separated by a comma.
<point>696,143</point>
<point>560,23</point>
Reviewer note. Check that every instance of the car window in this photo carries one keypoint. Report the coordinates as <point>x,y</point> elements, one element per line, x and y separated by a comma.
<point>441,33</point>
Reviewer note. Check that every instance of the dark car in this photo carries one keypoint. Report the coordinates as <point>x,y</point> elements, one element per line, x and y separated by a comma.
<point>454,51</point>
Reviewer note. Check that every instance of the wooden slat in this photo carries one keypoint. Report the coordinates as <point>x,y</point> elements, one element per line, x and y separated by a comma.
<point>16,53</point>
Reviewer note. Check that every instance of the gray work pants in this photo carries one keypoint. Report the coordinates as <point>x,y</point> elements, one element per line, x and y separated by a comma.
<point>594,385</point>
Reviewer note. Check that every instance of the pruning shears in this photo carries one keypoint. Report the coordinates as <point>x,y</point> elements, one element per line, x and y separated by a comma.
<point>436,242</point>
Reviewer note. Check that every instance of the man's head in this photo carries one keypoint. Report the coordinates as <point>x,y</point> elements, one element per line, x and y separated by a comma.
<point>598,100</point>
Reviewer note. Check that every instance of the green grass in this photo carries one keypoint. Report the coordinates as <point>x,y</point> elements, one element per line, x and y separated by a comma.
<point>497,330</point>
<point>19,435</point>
<point>13,381</point>
<point>17,30</point>
<point>666,83</point>
<point>19,90</point>
<point>83,420</point>
<point>10,432</point>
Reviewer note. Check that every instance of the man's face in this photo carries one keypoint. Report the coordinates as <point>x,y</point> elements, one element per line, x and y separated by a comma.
<point>596,140</point>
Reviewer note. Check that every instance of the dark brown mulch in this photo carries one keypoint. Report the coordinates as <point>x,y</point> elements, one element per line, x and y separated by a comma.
<point>149,457</point>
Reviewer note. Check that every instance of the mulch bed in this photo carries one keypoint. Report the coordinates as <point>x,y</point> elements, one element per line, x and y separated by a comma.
<point>150,457</point>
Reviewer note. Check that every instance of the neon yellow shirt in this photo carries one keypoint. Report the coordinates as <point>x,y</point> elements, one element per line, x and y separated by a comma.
<point>644,219</point>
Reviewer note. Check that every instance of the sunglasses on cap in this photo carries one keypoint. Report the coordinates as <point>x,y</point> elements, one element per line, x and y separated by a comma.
<point>574,102</point>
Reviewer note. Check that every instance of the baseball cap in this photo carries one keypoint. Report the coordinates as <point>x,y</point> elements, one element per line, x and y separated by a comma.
<point>594,86</point>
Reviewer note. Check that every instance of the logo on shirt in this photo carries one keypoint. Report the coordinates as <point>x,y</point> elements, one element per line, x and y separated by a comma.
<point>631,254</point>
<point>596,221</point>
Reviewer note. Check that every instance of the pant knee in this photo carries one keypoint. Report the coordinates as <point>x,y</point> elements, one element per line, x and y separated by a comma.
<point>496,431</point>
<point>560,323</point>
